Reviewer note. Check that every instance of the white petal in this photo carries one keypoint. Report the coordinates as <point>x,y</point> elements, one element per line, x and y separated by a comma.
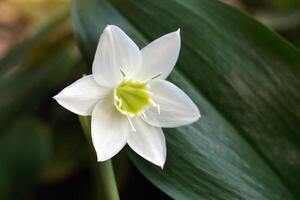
<point>109,130</point>
<point>160,56</point>
<point>115,51</point>
<point>81,96</point>
<point>148,142</point>
<point>176,108</point>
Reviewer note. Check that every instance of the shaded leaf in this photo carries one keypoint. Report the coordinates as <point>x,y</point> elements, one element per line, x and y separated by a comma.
<point>69,155</point>
<point>24,150</point>
<point>25,87</point>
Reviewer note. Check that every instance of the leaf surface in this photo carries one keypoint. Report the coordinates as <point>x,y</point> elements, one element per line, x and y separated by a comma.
<point>245,80</point>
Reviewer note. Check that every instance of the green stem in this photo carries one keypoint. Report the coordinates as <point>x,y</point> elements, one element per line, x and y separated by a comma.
<point>109,181</point>
<point>106,168</point>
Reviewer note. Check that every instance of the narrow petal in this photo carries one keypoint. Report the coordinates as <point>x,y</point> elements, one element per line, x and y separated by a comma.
<point>149,142</point>
<point>115,52</point>
<point>160,56</point>
<point>176,108</point>
<point>81,96</point>
<point>109,130</point>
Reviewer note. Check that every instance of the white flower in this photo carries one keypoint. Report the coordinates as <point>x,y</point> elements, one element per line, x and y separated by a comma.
<point>128,98</point>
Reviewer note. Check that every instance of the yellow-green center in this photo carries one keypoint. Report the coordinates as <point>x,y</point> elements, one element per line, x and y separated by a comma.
<point>131,97</point>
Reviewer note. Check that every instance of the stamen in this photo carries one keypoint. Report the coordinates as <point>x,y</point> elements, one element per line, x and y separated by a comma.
<point>144,115</point>
<point>153,103</point>
<point>120,103</point>
<point>156,106</point>
<point>118,100</point>
<point>130,122</point>
<point>156,76</point>
<point>153,77</point>
<point>131,97</point>
<point>122,72</point>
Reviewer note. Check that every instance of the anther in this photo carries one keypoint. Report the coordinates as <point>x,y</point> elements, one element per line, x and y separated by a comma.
<point>122,72</point>
<point>156,76</point>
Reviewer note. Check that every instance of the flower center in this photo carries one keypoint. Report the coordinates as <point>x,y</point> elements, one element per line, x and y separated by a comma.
<point>131,98</point>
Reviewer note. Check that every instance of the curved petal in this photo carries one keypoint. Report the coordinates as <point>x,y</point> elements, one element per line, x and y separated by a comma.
<point>81,96</point>
<point>148,142</point>
<point>160,56</point>
<point>109,130</point>
<point>176,108</point>
<point>115,51</point>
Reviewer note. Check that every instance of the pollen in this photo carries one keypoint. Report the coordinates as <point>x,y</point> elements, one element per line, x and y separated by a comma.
<point>131,98</point>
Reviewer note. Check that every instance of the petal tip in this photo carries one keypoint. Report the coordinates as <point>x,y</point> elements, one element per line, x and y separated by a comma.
<point>198,115</point>
<point>162,166</point>
<point>161,162</point>
<point>178,31</point>
<point>108,27</point>
<point>56,97</point>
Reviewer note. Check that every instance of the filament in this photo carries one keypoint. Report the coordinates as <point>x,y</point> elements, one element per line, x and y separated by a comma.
<point>156,106</point>
<point>144,115</point>
<point>130,122</point>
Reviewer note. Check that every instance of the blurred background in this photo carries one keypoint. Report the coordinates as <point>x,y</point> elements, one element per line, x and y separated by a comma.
<point>43,152</point>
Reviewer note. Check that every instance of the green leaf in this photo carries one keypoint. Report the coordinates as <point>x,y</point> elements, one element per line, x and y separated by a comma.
<point>68,156</point>
<point>245,80</point>
<point>31,69</point>
<point>25,86</point>
<point>25,89</point>
<point>24,150</point>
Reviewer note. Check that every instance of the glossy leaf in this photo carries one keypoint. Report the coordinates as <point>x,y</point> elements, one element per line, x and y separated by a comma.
<point>245,80</point>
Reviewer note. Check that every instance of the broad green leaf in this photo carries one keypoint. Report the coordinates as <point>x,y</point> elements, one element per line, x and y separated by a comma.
<point>70,153</point>
<point>25,86</point>
<point>29,70</point>
<point>245,80</point>
<point>24,150</point>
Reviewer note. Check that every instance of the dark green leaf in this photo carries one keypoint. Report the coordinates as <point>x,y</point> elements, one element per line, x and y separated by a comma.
<point>26,86</point>
<point>30,69</point>
<point>24,150</point>
<point>245,80</point>
<point>68,156</point>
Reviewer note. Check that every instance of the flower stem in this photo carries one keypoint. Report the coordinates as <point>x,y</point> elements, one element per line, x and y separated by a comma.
<point>106,168</point>
<point>109,181</point>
